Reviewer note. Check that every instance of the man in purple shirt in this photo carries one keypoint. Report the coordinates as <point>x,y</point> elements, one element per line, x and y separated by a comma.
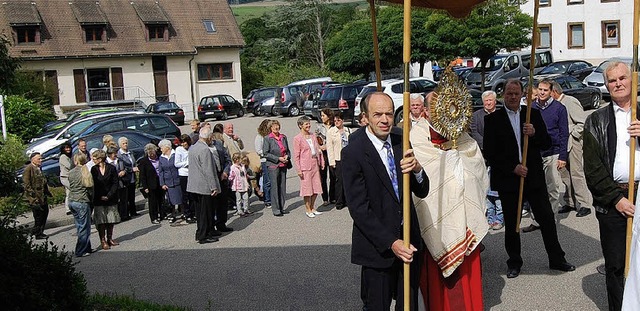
<point>555,118</point>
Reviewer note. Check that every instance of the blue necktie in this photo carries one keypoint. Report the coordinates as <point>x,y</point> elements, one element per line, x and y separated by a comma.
<point>392,168</point>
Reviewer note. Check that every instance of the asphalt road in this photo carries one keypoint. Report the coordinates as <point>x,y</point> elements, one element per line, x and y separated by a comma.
<point>297,263</point>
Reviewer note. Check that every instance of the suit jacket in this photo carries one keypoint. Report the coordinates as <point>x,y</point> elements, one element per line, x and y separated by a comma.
<point>334,143</point>
<point>168,172</point>
<point>477,126</point>
<point>203,175</point>
<point>105,185</point>
<point>271,150</point>
<point>128,165</point>
<point>231,145</point>
<point>373,205</point>
<point>302,153</point>
<point>148,177</point>
<point>223,156</point>
<point>577,117</point>
<point>501,150</point>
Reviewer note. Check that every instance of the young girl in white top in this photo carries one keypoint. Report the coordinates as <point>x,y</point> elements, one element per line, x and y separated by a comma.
<point>239,183</point>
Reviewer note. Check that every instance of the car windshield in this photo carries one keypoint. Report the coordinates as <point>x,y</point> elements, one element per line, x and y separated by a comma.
<point>494,63</point>
<point>331,93</point>
<point>555,68</point>
<point>166,106</point>
<point>602,66</point>
<point>367,90</point>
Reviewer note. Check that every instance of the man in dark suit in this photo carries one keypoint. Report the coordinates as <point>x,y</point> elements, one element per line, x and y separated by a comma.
<point>372,176</point>
<point>503,140</point>
<point>223,161</point>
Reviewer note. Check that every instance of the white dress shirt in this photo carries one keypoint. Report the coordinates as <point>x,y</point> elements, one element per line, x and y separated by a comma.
<point>621,160</point>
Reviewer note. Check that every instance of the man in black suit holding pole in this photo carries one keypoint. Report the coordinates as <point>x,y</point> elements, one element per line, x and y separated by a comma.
<point>372,173</point>
<point>503,148</point>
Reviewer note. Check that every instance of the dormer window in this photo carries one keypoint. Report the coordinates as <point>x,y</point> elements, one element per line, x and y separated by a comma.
<point>95,33</point>
<point>27,34</point>
<point>157,32</point>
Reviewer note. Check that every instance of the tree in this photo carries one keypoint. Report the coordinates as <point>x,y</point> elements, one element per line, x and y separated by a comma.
<point>494,26</point>
<point>25,117</point>
<point>351,49</point>
<point>8,66</point>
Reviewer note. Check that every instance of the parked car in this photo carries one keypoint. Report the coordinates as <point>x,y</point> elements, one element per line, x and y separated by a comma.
<point>170,109</point>
<point>590,97</point>
<point>71,129</point>
<point>265,107</point>
<point>596,78</point>
<point>394,88</point>
<point>121,103</point>
<point>290,99</point>
<point>339,97</point>
<point>502,67</point>
<point>310,106</point>
<point>579,69</point>
<point>78,114</point>
<point>154,124</point>
<point>251,103</point>
<point>219,106</point>
<point>50,159</point>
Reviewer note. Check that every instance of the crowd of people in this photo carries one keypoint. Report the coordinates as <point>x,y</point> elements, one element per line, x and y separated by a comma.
<point>478,176</point>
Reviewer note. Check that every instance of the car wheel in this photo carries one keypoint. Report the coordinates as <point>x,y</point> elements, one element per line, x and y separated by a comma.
<point>257,112</point>
<point>240,113</point>
<point>595,101</point>
<point>294,111</point>
<point>224,116</point>
<point>398,117</point>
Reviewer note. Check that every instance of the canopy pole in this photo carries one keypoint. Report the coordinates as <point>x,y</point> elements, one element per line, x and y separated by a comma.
<point>406,194</point>
<point>376,51</point>
<point>525,146</point>
<point>632,142</point>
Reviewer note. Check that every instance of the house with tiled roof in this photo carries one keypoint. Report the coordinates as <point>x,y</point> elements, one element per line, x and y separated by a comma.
<point>109,50</point>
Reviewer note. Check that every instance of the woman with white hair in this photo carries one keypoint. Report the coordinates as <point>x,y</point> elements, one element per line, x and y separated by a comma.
<point>149,167</point>
<point>129,178</point>
<point>169,178</point>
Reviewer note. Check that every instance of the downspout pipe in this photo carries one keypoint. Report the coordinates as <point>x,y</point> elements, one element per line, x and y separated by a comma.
<point>191,84</point>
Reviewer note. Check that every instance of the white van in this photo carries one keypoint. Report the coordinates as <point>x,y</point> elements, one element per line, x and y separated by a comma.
<point>502,67</point>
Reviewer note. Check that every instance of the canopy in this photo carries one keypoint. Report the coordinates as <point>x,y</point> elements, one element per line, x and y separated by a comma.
<point>457,8</point>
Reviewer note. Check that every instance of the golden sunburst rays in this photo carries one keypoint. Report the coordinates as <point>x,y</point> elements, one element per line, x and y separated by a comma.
<point>450,109</point>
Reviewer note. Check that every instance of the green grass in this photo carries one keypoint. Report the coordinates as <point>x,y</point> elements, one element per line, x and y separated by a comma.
<point>243,13</point>
<point>108,302</point>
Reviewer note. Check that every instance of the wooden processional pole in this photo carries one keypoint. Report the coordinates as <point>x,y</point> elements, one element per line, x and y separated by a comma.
<point>525,146</point>
<point>632,142</point>
<point>406,194</point>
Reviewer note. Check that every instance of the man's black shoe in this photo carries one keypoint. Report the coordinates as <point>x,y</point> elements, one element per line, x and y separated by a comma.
<point>583,211</point>
<point>530,228</point>
<point>216,233</point>
<point>41,236</point>
<point>278,215</point>
<point>564,266</point>
<point>285,212</point>
<point>208,240</point>
<point>339,207</point>
<point>513,273</point>
<point>565,209</point>
<point>225,229</point>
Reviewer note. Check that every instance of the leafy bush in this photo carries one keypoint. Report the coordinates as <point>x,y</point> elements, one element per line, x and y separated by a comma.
<point>58,195</point>
<point>37,276</point>
<point>25,117</point>
<point>12,158</point>
<point>31,85</point>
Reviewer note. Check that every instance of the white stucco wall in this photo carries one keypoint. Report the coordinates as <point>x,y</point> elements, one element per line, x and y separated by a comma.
<point>184,87</point>
<point>231,87</point>
<point>591,13</point>
<point>136,72</point>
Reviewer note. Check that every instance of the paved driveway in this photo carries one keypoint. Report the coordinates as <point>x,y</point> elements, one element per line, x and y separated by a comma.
<point>297,263</point>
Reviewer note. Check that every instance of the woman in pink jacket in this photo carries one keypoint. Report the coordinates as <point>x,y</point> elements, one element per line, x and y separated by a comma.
<point>309,160</point>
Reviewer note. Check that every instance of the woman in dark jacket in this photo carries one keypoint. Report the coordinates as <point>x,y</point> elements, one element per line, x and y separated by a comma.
<point>275,149</point>
<point>149,167</point>
<point>169,178</point>
<point>105,198</point>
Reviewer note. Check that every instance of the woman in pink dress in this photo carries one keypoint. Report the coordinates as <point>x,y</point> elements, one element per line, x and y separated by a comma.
<point>308,158</point>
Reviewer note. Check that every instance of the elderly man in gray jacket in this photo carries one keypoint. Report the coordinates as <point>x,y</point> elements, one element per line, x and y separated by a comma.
<point>204,184</point>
